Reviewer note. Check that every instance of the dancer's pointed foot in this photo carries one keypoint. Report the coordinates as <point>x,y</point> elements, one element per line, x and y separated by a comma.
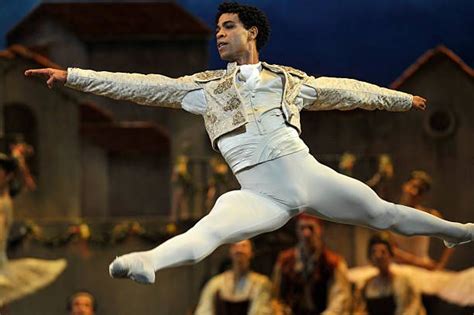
<point>470,228</point>
<point>134,266</point>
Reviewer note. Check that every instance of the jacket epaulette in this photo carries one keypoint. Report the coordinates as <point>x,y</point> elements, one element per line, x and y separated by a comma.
<point>294,71</point>
<point>209,75</point>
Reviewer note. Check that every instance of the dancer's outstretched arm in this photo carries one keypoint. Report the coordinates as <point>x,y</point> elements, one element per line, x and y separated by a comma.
<point>347,94</point>
<point>145,89</point>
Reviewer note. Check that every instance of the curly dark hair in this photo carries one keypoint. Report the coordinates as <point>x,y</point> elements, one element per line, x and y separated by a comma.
<point>249,16</point>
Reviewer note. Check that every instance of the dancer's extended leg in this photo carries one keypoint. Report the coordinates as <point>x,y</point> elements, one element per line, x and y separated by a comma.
<point>343,199</point>
<point>237,215</point>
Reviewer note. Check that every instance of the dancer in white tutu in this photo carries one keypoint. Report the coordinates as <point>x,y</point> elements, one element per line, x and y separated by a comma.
<point>251,111</point>
<point>19,277</point>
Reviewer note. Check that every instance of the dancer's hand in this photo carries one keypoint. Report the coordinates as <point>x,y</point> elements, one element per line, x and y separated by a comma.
<point>419,102</point>
<point>52,76</point>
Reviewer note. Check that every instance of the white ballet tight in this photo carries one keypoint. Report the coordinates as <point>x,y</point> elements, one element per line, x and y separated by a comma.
<point>274,191</point>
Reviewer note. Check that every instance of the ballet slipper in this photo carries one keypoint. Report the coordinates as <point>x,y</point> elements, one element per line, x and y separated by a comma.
<point>470,228</point>
<point>134,266</point>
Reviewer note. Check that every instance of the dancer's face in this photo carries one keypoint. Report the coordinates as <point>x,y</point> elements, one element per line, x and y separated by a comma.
<point>309,233</point>
<point>241,253</point>
<point>380,256</point>
<point>413,188</point>
<point>234,42</point>
<point>82,304</point>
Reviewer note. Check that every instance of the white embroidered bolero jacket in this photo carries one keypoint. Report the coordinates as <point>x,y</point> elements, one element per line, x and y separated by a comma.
<point>224,110</point>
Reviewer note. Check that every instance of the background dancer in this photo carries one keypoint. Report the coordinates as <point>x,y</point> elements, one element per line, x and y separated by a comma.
<point>310,278</point>
<point>416,250</point>
<point>387,292</point>
<point>238,290</point>
<point>251,112</point>
<point>19,277</point>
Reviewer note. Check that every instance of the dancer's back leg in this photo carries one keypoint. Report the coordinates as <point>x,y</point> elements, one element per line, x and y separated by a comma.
<point>237,215</point>
<point>343,199</point>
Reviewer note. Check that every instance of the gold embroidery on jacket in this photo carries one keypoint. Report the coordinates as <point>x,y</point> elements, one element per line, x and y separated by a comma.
<point>224,86</point>
<point>238,118</point>
<point>232,104</point>
<point>211,118</point>
<point>207,75</point>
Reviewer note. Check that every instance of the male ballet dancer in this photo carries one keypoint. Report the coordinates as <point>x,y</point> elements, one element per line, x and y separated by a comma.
<point>251,113</point>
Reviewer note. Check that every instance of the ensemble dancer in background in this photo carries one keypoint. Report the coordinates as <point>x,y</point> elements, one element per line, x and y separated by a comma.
<point>309,278</point>
<point>388,292</point>
<point>219,182</point>
<point>19,277</point>
<point>251,111</point>
<point>238,290</point>
<point>416,250</point>
<point>81,302</point>
<point>182,190</point>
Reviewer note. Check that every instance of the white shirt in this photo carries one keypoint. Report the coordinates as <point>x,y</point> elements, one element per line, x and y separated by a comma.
<point>266,136</point>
